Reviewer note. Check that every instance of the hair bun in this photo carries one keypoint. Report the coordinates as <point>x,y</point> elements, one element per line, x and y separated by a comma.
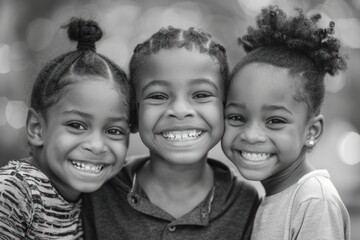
<point>85,32</point>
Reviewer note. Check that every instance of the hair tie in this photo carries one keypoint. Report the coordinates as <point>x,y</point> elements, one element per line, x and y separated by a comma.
<point>86,46</point>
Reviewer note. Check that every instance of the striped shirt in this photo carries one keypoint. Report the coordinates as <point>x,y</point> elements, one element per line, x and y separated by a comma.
<point>31,208</point>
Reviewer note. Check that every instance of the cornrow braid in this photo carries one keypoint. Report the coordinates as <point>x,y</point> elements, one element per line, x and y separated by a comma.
<point>296,43</point>
<point>170,37</point>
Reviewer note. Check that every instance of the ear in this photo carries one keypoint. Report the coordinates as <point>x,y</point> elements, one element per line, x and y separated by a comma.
<point>315,129</point>
<point>35,126</point>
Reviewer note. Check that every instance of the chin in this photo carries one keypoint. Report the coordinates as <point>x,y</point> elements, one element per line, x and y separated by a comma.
<point>88,188</point>
<point>252,176</point>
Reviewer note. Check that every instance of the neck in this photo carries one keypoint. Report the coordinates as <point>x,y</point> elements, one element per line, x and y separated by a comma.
<point>176,176</point>
<point>287,177</point>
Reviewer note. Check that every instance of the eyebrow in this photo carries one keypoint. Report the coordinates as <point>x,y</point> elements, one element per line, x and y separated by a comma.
<point>76,112</point>
<point>156,83</point>
<point>275,108</point>
<point>266,107</point>
<point>197,81</point>
<point>86,115</point>
<point>236,105</point>
<point>200,81</point>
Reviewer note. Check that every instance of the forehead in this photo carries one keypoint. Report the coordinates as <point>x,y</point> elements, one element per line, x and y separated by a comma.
<point>93,94</point>
<point>263,83</point>
<point>179,64</point>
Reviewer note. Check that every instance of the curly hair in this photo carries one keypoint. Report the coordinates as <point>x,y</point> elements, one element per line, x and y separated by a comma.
<point>54,78</point>
<point>296,43</point>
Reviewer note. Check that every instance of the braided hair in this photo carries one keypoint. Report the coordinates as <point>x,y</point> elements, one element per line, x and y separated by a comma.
<point>58,74</point>
<point>169,38</point>
<point>296,43</point>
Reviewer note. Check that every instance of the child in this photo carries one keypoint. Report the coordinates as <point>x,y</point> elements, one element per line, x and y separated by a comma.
<point>176,192</point>
<point>78,128</point>
<point>273,118</point>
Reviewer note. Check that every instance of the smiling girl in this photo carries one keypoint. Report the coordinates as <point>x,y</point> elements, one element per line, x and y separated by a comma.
<point>272,118</point>
<point>78,128</point>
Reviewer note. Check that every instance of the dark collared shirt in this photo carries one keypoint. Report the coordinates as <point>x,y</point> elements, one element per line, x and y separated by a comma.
<point>121,210</point>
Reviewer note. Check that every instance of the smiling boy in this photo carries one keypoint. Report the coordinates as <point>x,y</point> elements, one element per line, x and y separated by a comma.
<point>176,192</point>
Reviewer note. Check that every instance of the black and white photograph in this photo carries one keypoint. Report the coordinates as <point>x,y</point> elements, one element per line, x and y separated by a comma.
<point>180,120</point>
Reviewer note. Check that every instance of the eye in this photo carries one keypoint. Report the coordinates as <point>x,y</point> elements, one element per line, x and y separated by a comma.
<point>157,96</point>
<point>199,95</point>
<point>276,123</point>
<point>77,125</point>
<point>235,119</point>
<point>115,131</point>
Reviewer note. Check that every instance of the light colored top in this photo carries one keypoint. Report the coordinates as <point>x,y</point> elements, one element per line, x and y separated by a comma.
<point>310,209</point>
<point>30,207</point>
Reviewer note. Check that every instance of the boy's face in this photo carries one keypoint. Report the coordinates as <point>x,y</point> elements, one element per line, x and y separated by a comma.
<point>85,137</point>
<point>265,127</point>
<point>180,96</point>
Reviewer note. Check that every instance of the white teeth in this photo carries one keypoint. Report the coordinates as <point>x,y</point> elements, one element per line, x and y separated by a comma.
<point>88,167</point>
<point>255,156</point>
<point>182,135</point>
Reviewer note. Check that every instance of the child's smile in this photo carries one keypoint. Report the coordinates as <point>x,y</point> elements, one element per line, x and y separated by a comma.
<point>265,127</point>
<point>87,166</point>
<point>86,137</point>
<point>180,97</point>
<point>182,136</point>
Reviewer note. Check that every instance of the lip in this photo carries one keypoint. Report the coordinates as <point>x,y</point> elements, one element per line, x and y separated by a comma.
<point>86,166</point>
<point>178,127</point>
<point>254,158</point>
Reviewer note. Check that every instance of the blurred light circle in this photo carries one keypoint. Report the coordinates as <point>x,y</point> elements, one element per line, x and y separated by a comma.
<point>40,34</point>
<point>349,148</point>
<point>4,58</point>
<point>253,7</point>
<point>350,31</point>
<point>3,103</point>
<point>16,113</point>
<point>19,56</point>
<point>182,17</point>
<point>121,20</point>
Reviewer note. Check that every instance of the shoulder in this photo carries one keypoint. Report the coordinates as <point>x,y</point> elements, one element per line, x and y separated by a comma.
<point>124,179</point>
<point>317,185</point>
<point>316,193</point>
<point>15,190</point>
<point>14,176</point>
<point>226,178</point>
<point>24,181</point>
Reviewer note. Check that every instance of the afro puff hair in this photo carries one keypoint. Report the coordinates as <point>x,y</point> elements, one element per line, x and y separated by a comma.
<point>276,29</point>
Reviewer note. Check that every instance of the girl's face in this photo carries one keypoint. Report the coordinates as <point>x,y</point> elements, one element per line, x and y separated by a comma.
<point>265,127</point>
<point>180,96</point>
<point>85,137</point>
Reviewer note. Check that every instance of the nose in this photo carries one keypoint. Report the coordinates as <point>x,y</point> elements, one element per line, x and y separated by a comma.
<point>253,134</point>
<point>95,143</point>
<point>180,108</point>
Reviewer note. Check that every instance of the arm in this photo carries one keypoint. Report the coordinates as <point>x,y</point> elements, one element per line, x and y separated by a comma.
<point>15,206</point>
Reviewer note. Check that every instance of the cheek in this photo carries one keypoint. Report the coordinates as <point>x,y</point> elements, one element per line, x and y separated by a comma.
<point>290,142</point>
<point>227,141</point>
<point>60,144</point>
<point>147,115</point>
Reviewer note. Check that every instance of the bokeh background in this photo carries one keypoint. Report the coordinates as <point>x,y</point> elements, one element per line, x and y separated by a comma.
<point>30,35</point>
